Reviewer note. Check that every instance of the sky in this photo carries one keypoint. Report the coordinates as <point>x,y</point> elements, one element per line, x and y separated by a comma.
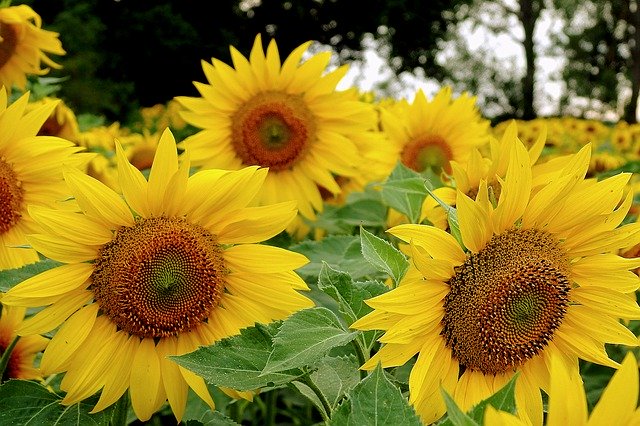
<point>549,85</point>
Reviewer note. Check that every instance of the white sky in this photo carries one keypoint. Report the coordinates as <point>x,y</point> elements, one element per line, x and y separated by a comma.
<point>548,86</point>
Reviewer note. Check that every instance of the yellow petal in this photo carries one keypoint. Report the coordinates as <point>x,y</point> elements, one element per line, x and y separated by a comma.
<point>255,224</point>
<point>516,190</point>
<point>174,384</point>
<point>118,380</point>
<point>438,243</point>
<point>50,283</point>
<point>262,258</point>
<point>52,316</point>
<point>68,339</point>
<point>146,380</point>
<point>165,165</point>
<point>619,399</point>
<point>98,200</point>
<point>74,226</point>
<point>133,183</point>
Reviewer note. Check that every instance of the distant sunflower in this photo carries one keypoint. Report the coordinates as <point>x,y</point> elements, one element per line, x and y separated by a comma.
<point>491,169</point>
<point>23,45</point>
<point>539,277</point>
<point>287,117</point>
<point>430,134</point>
<point>30,173</point>
<point>173,266</point>
<point>22,358</point>
<point>61,123</point>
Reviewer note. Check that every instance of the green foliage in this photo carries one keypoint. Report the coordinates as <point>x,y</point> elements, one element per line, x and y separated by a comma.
<point>350,297</point>
<point>10,277</point>
<point>383,255</point>
<point>28,403</point>
<point>341,252</point>
<point>502,400</point>
<point>375,401</point>
<point>405,191</point>
<point>238,362</point>
<point>304,338</point>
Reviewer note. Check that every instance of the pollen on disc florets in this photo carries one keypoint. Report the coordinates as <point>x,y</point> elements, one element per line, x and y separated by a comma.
<point>11,197</point>
<point>273,129</point>
<point>159,277</point>
<point>506,301</point>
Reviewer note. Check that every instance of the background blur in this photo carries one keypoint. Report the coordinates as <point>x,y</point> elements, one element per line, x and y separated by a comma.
<point>521,58</point>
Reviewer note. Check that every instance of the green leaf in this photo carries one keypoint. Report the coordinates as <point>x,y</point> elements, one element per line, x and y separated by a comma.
<point>306,337</point>
<point>452,218</point>
<point>350,297</point>
<point>383,255</point>
<point>404,190</point>
<point>11,277</point>
<point>28,403</point>
<point>212,418</point>
<point>503,400</point>
<point>349,294</point>
<point>340,252</point>
<point>365,212</point>
<point>238,361</point>
<point>336,376</point>
<point>375,401</point>
<point>343,219</point>
<point>455,416</point>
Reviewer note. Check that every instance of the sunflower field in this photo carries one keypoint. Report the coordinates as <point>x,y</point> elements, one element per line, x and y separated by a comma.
<point>278,251</point>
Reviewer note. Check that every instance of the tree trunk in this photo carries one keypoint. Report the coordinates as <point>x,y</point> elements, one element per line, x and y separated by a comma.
<point>528,16</point>
<point>630,111</point>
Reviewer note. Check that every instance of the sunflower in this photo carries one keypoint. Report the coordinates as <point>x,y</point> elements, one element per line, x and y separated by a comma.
<point>492,169</point>
<point>430,134</point>
<point>23,45</point>
<point>30,173</point>
<point>567,400</point>
<point>169,268</point>
<point>539,277</point>
<point>287,117</point>
<point>22,358</point>
<point>61,123</point>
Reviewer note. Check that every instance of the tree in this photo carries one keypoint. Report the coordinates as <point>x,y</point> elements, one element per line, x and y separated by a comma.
<point>512,93</point>
<point>602,47</point>
<point>119,50</point>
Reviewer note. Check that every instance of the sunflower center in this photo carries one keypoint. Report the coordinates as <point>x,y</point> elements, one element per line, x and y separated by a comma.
<point>427,152</point>
<point>506,301</point>
<point>160,277</point>
<point>11,196</point>
<point>272,130</point>
<point>8,43</point>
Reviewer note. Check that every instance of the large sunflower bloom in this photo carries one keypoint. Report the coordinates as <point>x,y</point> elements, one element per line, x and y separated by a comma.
<point>23,44</point>
<point>287,117</point>
<point>22,358</point>
<point>538,278</point>
<point>430,134</point>
<point>30,173</point>
<point>172,266</point>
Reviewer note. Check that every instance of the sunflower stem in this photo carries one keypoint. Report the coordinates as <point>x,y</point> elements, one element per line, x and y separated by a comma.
<point>270,414</point>
<point>121,410</point>
<point>361,357</point>
<point>4,361</point>
<point>326,413</point>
